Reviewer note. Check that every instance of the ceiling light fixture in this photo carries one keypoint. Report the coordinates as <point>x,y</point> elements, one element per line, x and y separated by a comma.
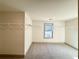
<point>51,18</point>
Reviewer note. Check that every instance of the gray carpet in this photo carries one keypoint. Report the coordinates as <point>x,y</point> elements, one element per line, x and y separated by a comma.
<point>51,51</point>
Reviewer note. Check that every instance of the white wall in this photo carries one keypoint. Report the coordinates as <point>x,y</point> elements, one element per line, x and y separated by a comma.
<point>58,35</point>
<point>11,33</point>
<point>0,39</point>
<point>72,32</point>
<point>0,42</point>
<point>15,38</point>
<point>28,32</point>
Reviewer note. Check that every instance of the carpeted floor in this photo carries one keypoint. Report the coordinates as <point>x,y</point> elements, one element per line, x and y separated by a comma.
<point>50,51</point>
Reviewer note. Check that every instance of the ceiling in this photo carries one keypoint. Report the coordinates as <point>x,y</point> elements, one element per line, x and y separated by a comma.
<point>43,9</point>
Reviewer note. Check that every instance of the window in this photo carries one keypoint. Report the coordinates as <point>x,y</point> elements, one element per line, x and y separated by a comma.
<point>48,30</point>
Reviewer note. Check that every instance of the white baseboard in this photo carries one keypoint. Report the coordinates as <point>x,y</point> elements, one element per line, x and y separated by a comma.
<point>49,42</point>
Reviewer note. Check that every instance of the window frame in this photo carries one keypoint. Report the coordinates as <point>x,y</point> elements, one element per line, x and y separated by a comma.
<point>45,30</point>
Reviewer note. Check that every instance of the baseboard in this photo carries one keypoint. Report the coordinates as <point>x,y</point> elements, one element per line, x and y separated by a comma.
<point>13,56</point>
<point>70,46</point>
<point>48,42</point>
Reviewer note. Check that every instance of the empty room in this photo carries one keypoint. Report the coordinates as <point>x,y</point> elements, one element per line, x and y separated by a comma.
<point>38,29</point>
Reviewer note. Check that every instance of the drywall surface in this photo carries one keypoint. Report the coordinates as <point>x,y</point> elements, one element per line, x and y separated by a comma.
<point>28,33</point>
<point>0,37</point>
<point>43,9</point>
<point>12,33</point>
<point>58,32</point>
<point>72,32</point>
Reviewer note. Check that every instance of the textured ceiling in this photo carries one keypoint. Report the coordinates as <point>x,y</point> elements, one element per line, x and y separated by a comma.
<point>43,9</point>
